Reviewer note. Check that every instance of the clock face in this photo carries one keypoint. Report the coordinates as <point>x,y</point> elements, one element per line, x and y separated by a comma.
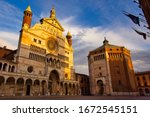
<point>52,45</point>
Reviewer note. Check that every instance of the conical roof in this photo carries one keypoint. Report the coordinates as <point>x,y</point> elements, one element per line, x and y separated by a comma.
<point>28,9</point>
<point>69,35</point>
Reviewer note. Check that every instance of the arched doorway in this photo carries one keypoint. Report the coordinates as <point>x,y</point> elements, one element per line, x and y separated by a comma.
<point>10,86</point>
<point>2,80</point>
<point>36,87</point>
<point>100,87</point>
<point>20,86</point>
<point>44,87</point>
<point>54,82</point>
<point>28,86</point>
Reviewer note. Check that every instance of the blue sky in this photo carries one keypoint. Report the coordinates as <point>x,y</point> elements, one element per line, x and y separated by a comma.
<point>88,20</point>
<point>87,13</point>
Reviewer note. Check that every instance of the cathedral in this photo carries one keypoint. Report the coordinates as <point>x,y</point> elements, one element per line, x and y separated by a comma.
<point>43,62</point>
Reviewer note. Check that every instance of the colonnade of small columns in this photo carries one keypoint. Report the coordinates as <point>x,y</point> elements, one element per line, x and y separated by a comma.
<point>7,67</point>
<point>70,88</point>
<point>10,86</point>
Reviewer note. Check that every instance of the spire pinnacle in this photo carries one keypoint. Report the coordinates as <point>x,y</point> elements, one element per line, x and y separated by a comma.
<point>53,14</point>
<point>69,34</point>
<point>28,8</point>
<point>105,42</point>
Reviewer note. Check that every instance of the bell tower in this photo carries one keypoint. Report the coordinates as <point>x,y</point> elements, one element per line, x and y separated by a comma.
<point>27,18</point>
<point>26,23</point>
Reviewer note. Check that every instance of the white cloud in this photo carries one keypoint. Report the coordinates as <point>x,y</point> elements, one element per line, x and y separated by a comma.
<point>44,15</point>
<point>93,38</point>
<point>7,44</point>
<point>141,65</point>
<point>95,35</point>
<point>141,60</point>
<point>9,39</point>
<point>9,35</point>
<point>83,69</point>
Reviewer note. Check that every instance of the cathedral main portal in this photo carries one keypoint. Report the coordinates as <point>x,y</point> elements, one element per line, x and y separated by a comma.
<point>53,83</point>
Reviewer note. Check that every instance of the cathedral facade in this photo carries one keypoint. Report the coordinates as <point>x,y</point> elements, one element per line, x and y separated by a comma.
<point>43,62</point>
<point>111,71</point>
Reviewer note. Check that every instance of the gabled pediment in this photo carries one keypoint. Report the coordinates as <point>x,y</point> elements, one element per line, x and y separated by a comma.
<point>52,21</point>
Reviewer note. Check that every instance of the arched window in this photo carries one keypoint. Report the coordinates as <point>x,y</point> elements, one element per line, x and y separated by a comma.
<point>54,61</point>
<point>13,69</point>
<point>9,69</point>
<point>58,63</point>
<point>1,66</point>
<point>5,67</point>
<point>50,61</point>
